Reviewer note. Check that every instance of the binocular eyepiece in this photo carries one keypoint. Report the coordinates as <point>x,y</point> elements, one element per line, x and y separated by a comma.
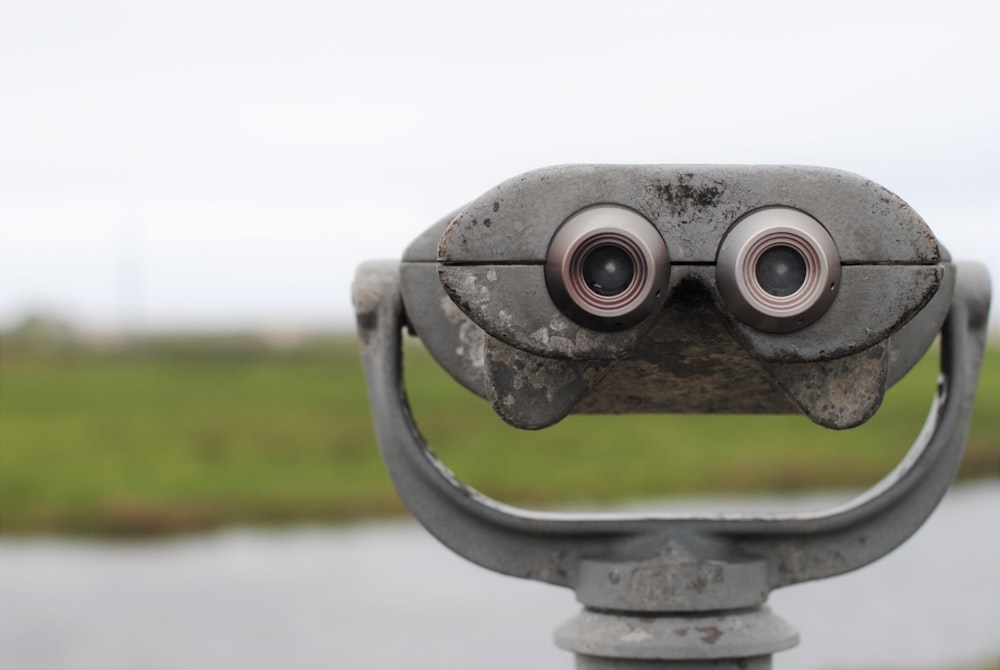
<point>778,269</point>
<point>608,268</point>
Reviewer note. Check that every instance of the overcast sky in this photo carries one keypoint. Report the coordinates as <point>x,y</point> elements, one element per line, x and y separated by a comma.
<point>222,164</point>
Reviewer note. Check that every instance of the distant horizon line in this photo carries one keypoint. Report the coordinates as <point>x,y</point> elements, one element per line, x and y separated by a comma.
<point>288,330</point>
<point>187,326</point>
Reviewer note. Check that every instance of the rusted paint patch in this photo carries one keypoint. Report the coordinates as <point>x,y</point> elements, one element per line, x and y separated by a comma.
<point>707,574</point>
<point>532,392</point>
<point>709,634</point>
<point>686,191</point>
<point>839,394</point>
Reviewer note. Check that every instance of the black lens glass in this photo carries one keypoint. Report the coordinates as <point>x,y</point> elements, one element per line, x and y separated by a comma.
<point>608,270</point>
<point>781,271</point>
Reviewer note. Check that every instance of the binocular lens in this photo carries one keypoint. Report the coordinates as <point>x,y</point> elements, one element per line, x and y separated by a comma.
<point>607,267</point>
<point>608,270</point>
<point>781,271</point>
<point>778,269</point>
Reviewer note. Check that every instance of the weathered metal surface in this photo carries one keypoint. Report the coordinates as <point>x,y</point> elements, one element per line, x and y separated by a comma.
<point>910,343</point>
<point>673,591</point>
<point>455,342</point>
<point>755,632</point>
<point>584,662</point>
<point>574,550</point>
<point>511,303</point>
<point>841,393</point>
<point>474,518</point>
<point>874,301</point>
<point>687,363</point>
<point>675,580</point>
<point>692,205</point>
<point>687,360</point>
<point>533,392</point>
<point>489,261</point>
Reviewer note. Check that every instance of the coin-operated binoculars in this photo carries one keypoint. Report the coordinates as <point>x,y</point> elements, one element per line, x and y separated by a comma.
<point>694,289</point>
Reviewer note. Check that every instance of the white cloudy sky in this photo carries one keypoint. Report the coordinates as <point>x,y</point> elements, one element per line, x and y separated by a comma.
<point>217,164</point>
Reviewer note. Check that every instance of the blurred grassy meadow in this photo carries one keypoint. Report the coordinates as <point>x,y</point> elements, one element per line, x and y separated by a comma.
<point>180,433</point>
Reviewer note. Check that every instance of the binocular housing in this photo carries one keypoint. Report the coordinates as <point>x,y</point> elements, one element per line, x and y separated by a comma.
<point>685,289</point>
<point>697,289</point>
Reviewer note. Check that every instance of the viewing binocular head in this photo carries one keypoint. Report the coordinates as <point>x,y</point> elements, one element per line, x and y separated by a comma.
<point>701,289</point>
<point>706,289</point>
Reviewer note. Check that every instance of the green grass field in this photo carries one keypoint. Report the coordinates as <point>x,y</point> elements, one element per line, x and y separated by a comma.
<point>193,434</point>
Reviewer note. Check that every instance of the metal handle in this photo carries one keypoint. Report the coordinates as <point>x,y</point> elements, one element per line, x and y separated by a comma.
<point>739,558</point>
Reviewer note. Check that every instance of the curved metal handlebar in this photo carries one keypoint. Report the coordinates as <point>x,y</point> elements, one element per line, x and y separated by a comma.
<point>669,563</point>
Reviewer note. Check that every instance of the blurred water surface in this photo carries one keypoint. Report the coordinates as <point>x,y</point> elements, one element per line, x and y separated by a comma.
<point>387,595</point>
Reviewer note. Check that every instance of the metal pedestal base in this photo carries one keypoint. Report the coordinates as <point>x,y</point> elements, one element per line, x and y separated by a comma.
<point>734,639</point>
<point>595,663</point>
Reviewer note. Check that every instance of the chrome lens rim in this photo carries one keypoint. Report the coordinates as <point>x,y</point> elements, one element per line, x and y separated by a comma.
<point>584,232</point>
<point>741,251</point>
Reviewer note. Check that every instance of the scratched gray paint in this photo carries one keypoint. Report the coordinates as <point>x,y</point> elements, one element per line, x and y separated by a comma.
<point>691,205</point>
<point>488,258</point>
<point>673,591</point>
<point>632,572</point>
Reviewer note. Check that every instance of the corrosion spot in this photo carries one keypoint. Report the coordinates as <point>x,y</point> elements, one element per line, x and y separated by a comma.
<point>683,193</point>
